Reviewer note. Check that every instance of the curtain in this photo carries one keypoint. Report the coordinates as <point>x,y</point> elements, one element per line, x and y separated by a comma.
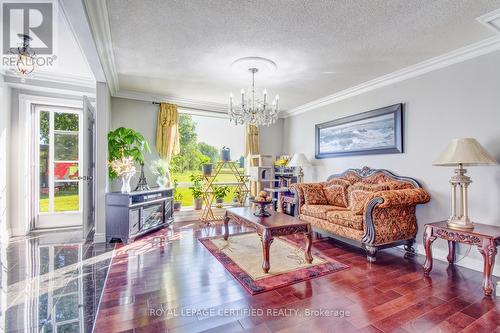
<point>252,148</point>
<point>167,131</point>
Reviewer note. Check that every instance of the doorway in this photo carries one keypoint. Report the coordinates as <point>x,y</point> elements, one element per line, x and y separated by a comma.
<point>58,152</point>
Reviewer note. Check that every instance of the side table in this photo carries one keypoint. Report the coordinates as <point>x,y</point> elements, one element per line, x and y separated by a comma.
<point>485,237</point>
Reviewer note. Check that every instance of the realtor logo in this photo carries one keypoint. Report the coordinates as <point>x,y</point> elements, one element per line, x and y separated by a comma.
<point>35,19</point>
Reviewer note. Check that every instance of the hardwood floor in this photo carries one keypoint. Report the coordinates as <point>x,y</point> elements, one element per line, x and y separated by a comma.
<point>168,282</point>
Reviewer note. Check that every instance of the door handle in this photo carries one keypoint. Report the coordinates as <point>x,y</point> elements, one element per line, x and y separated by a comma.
<point>86,178</point>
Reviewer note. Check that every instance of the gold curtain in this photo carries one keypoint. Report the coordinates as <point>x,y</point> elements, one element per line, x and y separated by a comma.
<point>252,140</point>
<point>252,148</point>
<point>167,131</point>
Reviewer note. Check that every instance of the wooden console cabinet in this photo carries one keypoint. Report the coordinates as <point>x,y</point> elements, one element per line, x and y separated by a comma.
<point>130,215</point>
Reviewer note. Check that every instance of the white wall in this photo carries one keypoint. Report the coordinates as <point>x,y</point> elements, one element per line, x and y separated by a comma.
<point>271,138</point>
<point>462,100</point>
<point>5,93</point>
<point>102,126</point>
<point>141,116</point>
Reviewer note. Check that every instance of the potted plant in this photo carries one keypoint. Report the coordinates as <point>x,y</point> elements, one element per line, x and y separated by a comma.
<point>177,197</point>
<point>197,190</point>
<point>237,197</point>
<point>225,154</point>
<point>220,193</point>
<point>206,166</point>
<point>159,168</point>
<point>123,143</point>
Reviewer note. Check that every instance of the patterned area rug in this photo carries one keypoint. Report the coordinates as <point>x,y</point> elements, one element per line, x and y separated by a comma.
<point>241,255</point>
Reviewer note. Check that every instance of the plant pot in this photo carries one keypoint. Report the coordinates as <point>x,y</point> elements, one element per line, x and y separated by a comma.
<point>225,155</point>
<point>219,202</point>
<point>207,169</point>
<point>177,205</point>
<point>198,203</point>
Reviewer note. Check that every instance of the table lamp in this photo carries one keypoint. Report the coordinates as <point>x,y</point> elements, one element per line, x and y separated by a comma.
<point>299,160</point>
<point>462,152</point>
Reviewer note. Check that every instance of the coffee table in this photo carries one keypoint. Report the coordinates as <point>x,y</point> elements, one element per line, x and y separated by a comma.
<point>278,224</point>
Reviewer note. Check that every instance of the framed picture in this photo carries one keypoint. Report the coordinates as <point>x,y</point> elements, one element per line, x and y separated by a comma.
<point>378,131</point>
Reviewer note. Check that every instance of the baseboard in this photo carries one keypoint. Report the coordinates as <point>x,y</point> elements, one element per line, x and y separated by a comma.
<point>467,262</point>
<point>99,237</point>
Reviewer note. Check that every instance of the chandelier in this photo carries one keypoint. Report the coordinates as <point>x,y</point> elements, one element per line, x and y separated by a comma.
<point>26,57</point>
<point>253,110</point>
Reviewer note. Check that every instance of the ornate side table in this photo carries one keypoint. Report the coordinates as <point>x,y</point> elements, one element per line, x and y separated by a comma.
<point>485,237</point>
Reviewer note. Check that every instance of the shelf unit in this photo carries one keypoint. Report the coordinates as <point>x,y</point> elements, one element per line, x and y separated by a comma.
<point>241,180</point>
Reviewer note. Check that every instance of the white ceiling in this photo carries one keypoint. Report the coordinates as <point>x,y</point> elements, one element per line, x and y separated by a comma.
<point>70,61</point>
<point>184,48</point>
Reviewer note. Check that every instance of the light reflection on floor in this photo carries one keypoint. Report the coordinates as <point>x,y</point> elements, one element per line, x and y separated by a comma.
<point>52,282</point>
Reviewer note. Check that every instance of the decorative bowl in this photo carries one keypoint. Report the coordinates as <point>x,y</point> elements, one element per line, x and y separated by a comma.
<point>262,212</point>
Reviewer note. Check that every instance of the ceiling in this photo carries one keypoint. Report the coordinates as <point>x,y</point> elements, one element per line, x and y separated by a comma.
<point>184,49</point>
<point>70,61</point>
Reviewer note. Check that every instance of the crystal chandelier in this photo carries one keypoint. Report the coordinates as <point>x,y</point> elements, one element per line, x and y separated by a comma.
<point>253,111</point>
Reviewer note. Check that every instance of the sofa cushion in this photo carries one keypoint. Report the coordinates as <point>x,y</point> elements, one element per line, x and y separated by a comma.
<point>345,218</point>
<point>319,211</point>
<point>398,185</point>
<point>314,195</point>
<point>336,192</point>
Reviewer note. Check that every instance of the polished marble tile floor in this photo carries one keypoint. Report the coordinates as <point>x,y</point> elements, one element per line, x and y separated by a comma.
<point>168,282</point>
<point>52,282</point>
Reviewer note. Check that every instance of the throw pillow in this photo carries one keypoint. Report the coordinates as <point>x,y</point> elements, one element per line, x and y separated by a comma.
<point>336,193</point>
<point>314,196</point>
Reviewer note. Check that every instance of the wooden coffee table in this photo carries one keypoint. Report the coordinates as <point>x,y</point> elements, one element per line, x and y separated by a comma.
<point>267,228</point>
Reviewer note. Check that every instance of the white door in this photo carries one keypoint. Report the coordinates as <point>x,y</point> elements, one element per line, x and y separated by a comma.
<point>87,166</point>
<point>58,152</point>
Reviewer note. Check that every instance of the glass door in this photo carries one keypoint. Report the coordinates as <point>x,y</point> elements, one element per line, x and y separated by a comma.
<point>58,151</point>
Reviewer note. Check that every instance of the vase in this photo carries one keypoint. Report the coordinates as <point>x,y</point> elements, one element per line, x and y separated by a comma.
<point>126,182</point>
<point>163,181</point>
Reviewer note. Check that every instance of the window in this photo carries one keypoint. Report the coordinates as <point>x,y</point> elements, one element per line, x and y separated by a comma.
<point>201,139</point>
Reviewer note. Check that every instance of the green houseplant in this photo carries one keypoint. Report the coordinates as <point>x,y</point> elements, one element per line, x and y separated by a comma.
<point>126,142</point>
<point>177,197</point>
<point>206,166</point>
<point>220,193</point>
<point>197,190</point>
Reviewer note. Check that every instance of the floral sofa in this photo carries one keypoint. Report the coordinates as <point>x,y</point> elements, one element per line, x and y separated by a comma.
<point>371,208</point>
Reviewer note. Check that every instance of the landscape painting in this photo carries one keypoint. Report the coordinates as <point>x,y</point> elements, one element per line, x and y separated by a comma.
<point>375,132</point>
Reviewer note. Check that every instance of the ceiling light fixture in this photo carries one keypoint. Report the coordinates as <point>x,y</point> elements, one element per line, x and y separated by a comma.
<point>253,110</point>
<point>26,57</point>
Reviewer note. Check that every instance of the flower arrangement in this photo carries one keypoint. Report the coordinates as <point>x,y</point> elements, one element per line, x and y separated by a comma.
<point>123,166</point>
<point>159,167</point>
<point>282,161</point>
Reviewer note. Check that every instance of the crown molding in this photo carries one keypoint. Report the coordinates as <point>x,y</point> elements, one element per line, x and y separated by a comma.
<point>60,78</point>
<point>491,20</point>
<point>180,102</point>
<point>459,55</point>
<point>97,15</point>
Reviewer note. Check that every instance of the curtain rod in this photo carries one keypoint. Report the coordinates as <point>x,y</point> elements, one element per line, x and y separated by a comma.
<point>156,103</point>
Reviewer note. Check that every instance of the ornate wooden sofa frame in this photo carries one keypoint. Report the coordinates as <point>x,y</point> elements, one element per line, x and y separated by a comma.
<point>385,210</point>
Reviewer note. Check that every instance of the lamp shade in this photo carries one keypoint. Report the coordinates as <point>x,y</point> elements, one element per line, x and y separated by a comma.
<point>299,160</point>
<point>466,151</point>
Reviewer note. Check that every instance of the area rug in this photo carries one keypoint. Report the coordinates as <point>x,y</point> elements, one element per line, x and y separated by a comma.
<point>241,255</point>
